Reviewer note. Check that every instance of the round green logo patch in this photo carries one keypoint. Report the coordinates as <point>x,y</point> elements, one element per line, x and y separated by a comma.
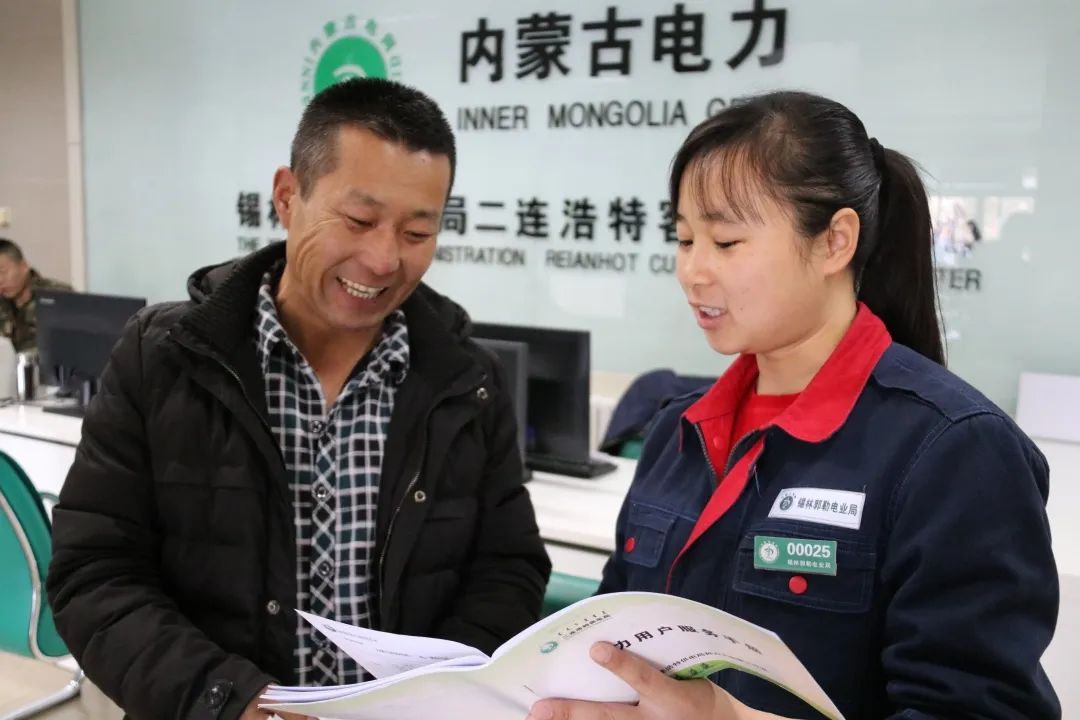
<point>345,50</point>
<point>347,58</point>
<point>769,553</point>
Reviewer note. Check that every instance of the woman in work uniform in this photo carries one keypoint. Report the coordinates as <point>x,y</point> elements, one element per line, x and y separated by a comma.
<point>805,249</point>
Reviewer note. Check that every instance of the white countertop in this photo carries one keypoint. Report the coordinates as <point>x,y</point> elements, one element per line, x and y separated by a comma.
<point>31,421</point>
<point>572,511</point>
<point>581,512</point>
<point>1063,507</point>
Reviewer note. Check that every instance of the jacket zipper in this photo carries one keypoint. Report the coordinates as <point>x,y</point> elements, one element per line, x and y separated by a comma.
<point>751,471</point>
<point>255,410</point>
<point>416,476</point>
<point>708,458</point>
<point>705,452</point>
<point>235,376</point>
<point>731,456</point>
<point>397,510</point>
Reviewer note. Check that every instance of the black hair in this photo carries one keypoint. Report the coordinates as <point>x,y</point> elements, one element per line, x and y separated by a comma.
<point>813,155</point>
<point>392,111</point>
<point>9,248</point>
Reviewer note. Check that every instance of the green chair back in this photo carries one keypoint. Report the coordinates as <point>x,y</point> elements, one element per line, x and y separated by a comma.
<point>631,449</point>
<point>565,590</point>
<point>26,622</point>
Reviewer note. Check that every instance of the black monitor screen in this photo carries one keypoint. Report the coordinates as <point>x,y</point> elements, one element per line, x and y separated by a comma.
<point>558,392</point>
<point>77,331</point>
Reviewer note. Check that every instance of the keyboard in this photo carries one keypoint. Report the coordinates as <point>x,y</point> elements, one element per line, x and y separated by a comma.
<point>561,466</point>
<point>69,410</point>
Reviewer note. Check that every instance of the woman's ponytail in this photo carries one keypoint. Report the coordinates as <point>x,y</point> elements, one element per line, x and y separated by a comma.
<point>898,281</point>
<point>816,156</point>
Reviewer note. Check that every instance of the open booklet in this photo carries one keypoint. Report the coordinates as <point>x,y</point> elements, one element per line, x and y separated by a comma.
<point>419,678</point>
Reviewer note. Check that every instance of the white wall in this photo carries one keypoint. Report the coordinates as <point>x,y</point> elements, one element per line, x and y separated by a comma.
<point>34,172</point>
<point>187,104</point>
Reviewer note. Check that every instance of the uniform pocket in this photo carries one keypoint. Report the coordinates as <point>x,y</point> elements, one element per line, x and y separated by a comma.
<point>828,621</point>
<point>849,591</point>
<point>647,530</point>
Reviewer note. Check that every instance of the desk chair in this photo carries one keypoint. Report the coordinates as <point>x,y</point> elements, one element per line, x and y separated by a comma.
<point>26,622</point>
<point>646,396</point>
<point>565,590</point>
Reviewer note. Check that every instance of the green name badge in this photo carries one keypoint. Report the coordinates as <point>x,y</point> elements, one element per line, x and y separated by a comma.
<point>795,555</point>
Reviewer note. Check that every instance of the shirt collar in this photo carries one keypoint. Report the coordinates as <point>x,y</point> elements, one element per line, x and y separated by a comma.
<point>389,358</point>
<point>824,406</point>
<point>268,328</point>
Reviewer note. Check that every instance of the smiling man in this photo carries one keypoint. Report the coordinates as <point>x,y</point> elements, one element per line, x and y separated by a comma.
<point>313,430</point>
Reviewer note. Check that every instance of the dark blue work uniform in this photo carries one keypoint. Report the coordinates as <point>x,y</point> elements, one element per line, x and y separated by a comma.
<point>945,594</point>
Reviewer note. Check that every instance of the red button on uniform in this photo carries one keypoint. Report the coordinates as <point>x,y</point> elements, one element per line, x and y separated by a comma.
<point>798,585</point>
<point>629,545</point>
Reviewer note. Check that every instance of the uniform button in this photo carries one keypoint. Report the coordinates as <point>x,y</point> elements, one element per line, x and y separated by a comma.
<point>324,569</point>
<point>798,584</point>
<point>318,427</point>
<point>273,607</point>
<point>217,697</point>
<point>419,496</point>
<point>482,394</point>
<point>630,544</point>
<point>322,491</point>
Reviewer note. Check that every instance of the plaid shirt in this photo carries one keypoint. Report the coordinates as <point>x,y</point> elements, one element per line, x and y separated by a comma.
<point>334,459</point>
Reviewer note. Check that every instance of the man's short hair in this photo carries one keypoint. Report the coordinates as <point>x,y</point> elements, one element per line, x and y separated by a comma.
<point>9,248</point>
<point>393,111</point>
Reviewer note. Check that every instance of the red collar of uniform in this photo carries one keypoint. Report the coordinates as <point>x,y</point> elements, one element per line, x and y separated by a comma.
<point>824,406</point>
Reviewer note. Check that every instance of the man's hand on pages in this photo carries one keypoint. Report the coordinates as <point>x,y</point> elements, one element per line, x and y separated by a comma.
<point>253,712</point>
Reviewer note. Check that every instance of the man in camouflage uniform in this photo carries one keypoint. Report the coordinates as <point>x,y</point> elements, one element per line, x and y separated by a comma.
<point>19,284</point>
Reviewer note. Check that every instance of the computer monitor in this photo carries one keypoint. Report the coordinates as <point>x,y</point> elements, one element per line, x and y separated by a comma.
<point>557,428</point>
<point>76,333</point>
<point>514,358</point>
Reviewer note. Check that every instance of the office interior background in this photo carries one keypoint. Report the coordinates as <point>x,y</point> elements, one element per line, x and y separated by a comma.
<point>138,141</point>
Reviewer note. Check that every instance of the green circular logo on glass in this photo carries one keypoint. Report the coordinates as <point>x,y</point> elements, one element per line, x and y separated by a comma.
<point>347,58</point>
<point>347,49</point>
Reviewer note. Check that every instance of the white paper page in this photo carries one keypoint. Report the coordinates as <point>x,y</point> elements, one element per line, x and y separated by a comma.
<point>278,694</point>
<point>384,654</point>
<point>299,690</point>
<point>447,694</point>
<point>284,694</point>
<point>678,636</point>
<point>529,632</point>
